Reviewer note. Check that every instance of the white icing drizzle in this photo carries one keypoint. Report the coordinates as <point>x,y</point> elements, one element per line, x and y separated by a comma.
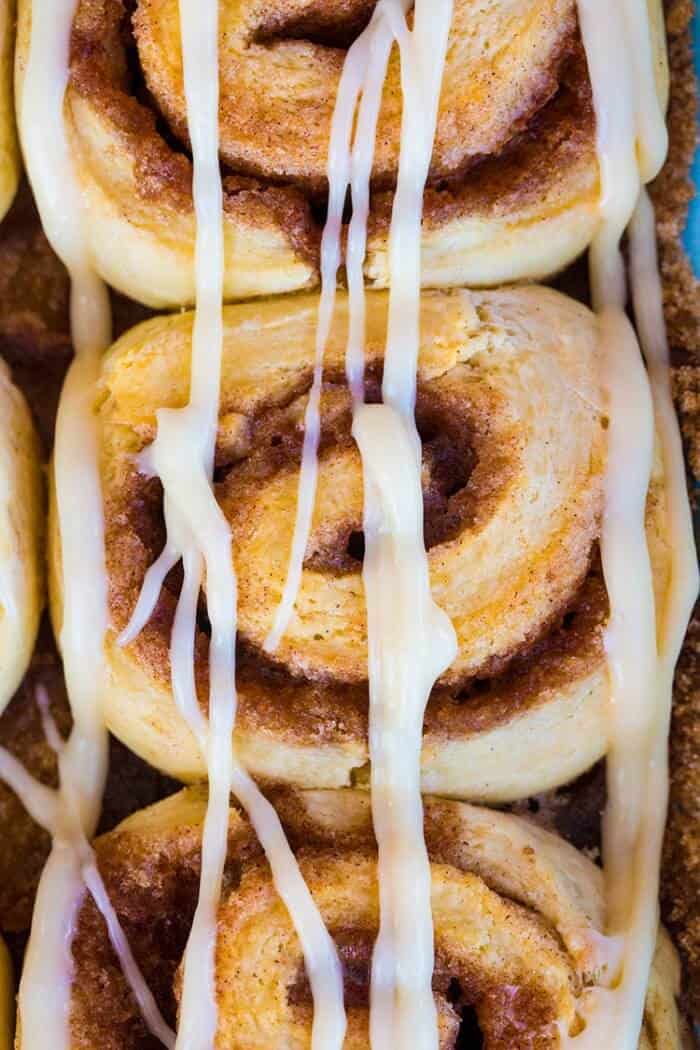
<point>360,171</point>
<point>182,455</point>
<point>631,146</point>
<point>411,642</point>
<point>648,309</point>
<point>71,814</point>
<point>652,135</point>
<point>364,71</point>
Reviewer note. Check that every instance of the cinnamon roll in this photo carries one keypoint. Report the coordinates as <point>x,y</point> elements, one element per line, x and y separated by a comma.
<point>511,413</point>
<point>513,190</point>
<point>21,512</point>
<point>9,155</point>
<point>517,914</point>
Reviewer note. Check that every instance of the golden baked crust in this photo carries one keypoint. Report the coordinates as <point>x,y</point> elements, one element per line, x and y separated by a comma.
<point>21,528</point>
<point>513,905</point>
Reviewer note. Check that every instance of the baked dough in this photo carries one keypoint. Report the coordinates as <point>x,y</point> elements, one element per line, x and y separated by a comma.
<point>21,518</point>
<point>513,421</point>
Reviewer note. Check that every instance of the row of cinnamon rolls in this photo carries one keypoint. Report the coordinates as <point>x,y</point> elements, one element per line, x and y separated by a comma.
<point>511,413</point>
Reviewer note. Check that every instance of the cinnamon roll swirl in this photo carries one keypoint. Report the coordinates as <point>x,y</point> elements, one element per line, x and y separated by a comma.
<point>517,915</point>
<point>511,414</point>
<point>9,154</point>
<point>513,190</point>
<point>21,513</point>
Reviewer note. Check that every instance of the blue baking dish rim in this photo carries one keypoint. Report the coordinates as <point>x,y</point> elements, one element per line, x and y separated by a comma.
<point>692,230</point>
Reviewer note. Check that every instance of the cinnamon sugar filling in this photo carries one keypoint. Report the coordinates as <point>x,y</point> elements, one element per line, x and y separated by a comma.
<point>474,1009</point>
<point>464,474</point>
